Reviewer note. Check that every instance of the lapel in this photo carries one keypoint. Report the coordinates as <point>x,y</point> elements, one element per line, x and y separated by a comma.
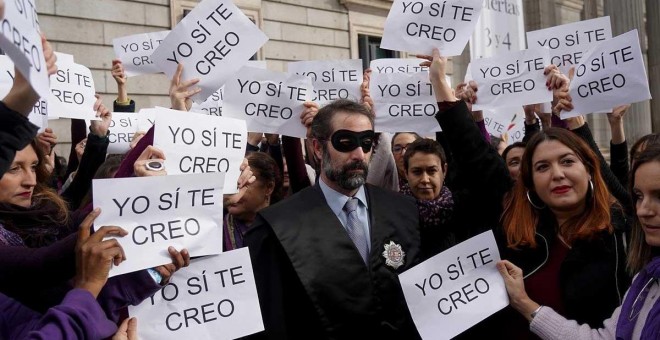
<point>329,266</point>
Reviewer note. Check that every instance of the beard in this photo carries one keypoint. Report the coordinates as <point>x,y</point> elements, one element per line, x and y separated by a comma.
<point>343,176</point>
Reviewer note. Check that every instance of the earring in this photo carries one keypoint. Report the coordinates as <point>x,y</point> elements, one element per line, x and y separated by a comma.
<point>591,185</point>
<point>532,202</point>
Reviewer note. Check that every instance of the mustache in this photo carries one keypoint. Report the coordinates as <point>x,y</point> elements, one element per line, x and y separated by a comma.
<point>356,165</point>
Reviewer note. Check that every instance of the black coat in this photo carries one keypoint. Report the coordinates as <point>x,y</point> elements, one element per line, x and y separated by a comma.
<point>592,277</point>
<point>311,280</point>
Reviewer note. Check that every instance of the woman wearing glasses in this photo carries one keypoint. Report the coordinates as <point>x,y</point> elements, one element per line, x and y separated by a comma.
<point>400,142</point>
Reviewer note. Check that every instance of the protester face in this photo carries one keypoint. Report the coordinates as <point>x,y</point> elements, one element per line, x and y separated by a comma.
<point>256,197</point>
<point>399,145</point>
<point>17,184</point>
<point>425,175</point>
<point>513,159</point>
<point>347,169</point>
<point>647,198</point>
<point>560,178</point>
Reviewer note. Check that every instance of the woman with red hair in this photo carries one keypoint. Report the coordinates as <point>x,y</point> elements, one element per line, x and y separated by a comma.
<point>563,227</point>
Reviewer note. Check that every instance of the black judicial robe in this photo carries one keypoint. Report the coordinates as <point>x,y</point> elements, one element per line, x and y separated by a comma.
<point>311,280</point>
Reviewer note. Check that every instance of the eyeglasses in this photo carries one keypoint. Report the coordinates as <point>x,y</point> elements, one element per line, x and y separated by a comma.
<point>400,148</point>
<point>347,141</point>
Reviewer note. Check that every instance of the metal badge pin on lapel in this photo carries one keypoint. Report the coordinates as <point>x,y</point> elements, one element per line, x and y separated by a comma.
<point>393,255</point>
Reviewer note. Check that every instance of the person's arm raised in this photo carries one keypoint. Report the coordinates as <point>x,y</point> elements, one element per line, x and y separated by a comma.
<point>180,91</point>
<point>21,98</point>
<point>95,256</point>
<point>437,65</point>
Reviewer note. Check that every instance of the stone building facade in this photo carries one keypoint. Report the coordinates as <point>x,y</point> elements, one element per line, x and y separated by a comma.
<point>306,30</point>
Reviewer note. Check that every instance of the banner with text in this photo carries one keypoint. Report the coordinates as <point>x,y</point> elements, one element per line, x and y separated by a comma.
<point>511,79</point>
<point>419,26</point>
<point>135,51</point>
<point>213,298</point>
<point>21,41</point>
<point>269,101</point>
<point>404,102</point>
<point>183,211</point>
<point>501,28</point>
<point>397,65</point>
<point>212,106</point>
<point>39,114</point>
<point>332,80</point>
<point>454,290</point>
<point>567,43</point>
<point>145,119</point>
<point>72,92</point>
<point>195,143</point>
<point>611,73</point>
<point>212,42</point>
<point>122,129</point>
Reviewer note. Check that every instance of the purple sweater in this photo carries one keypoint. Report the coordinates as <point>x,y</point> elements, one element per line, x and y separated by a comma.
<point>79,316</point>
<point>39,277</point>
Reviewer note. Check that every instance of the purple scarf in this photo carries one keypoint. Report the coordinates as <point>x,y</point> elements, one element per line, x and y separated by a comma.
<point>434,212</point>
<point>625,327</point>
<point>233,233</point>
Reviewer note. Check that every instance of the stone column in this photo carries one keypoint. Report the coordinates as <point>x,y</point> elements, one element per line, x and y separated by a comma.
<point>627,15</point>
<point>653,34</point>
<point>590,10</point>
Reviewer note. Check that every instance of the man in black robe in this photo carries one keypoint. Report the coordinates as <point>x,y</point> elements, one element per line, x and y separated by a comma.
<point>325,270</point>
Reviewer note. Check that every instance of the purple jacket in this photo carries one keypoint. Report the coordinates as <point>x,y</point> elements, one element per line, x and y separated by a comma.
<point>39,278</point>
<point>79,316</point>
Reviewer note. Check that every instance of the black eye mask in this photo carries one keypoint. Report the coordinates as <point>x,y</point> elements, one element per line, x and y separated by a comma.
<point>347,141</point>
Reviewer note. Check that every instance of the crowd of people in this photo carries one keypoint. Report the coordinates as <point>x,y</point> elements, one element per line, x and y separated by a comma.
<point>580,236</point>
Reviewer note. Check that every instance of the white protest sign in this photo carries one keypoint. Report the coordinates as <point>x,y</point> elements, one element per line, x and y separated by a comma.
<point>195,143</point>
<point>269,101</point>
<point>122,128</point>
<point>501,28</point>
<point>610,74</point>
<point>397,65</point>
<point>404,102</point>
<point>145,119</point>
<point>455,289</point>
<point>212,106</point>
<point>567,43</point>
<point>419,26</point>
<point>400,65</point>
<point>498,121</point>
<point>21,41</point>
<point>182,211</point>
<point>72,92</point>
<point>134,51</point>
<point>212,42</point>
<point>64,58</point>
<point>213,298</point>
<point>511,79</point>
<point>516,129</point>
<point>332,80</point>
<point>39,114</point>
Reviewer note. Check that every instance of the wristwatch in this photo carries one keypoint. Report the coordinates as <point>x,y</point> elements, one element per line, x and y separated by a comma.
<point>536,311</point>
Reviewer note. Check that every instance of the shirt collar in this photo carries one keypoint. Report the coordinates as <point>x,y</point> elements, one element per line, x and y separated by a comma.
<point>337,200</point>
